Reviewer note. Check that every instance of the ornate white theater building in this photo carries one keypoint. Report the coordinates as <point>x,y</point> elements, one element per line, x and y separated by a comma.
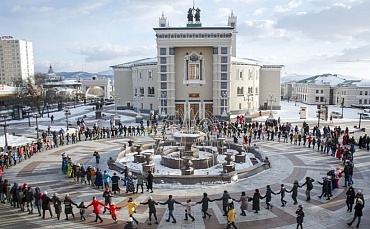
<point>196,74</point>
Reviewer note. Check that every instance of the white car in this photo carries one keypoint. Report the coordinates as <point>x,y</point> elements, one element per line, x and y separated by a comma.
<point>336,114</point>
<point>365,116</point>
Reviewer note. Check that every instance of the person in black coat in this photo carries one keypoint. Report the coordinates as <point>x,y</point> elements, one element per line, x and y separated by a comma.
<point>46,204</point>
<point>350,200</point>
<point>309,183</point>
<point>358,213</point>
<point>256,201</point>
<point>225,201</point>
<point>204,203</point>
<point>294,191</point>
<point>325,187</point>
<point>152,210</point>
<point>300,216</point>
<point>268,196</point>
<point>149,180</point>
<point>57,205</point>
<point>68,208</point>
<point>282,193</point>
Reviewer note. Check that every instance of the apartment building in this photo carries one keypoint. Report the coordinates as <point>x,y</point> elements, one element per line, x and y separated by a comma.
<point>16,60</point>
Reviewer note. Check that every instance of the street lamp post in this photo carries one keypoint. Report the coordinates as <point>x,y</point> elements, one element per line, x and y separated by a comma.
<point>37,125</point>
<point>163,98</point>
<point>248,117</point>
<point>48,108</point>
<point>359,121</point>
<point>224,110</point>
<point>318,115</point>
<point>139,117</point>
<point>5,131</point>
<point>67,112</point>
<point>271,100</point>
<point>29,121</point>
<point>115,103</point>
<point>342,106</point>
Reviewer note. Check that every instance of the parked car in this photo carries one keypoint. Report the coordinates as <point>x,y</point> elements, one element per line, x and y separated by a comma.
<point>365,116</point>
<point>336,114</point>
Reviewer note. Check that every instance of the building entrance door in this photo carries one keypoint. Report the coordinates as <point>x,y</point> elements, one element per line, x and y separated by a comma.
<point>179,111</point>
<point>208,110</point>
<point>194,111</point>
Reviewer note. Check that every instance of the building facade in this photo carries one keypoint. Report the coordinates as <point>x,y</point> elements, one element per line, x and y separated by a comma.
<point>16,60</point>
<point>196,74</point>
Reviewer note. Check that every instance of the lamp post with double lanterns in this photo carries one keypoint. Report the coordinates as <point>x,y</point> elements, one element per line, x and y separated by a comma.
<point>163,98</point>
<point>5,131</point>
<point>224,110</point>
<point>359,121</point>
<point>67,112</point>
<point>342,106</point>
<point>248,116</point>
<point>318,115</point>
<point>36,116</point>
<point>270,100</point>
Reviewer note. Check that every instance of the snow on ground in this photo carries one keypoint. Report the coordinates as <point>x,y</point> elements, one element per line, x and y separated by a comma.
<point>15,140</point>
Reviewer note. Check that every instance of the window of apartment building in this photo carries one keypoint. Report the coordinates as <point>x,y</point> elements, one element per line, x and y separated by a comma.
<point>365,92</point>
<point>163,60</point>
<point>240,75</point>
<point>163,77</point>
<point>151,106</point>
<point>223,68</point>
<point>317,91</point>
<point>140,77</point>
<point>240,91</point>
<point>163,68</point>
<point>360,101</point>
<point>162,51</point>
<point>223,59</point>
<point>360,92</point>
<point>151,92</point>
<point>223,85</point>
<point>256,90</point>
<point>317,99</point>
<point>172,51</point>
<point>223,76</point>
<point>365,101</point>
<point>163,85</point>
<point>150,74</point>
<point>215,50</point>
<point>240,106</point>
<point>142,91</point>
<point>223,50</point>
<point>322,91</point>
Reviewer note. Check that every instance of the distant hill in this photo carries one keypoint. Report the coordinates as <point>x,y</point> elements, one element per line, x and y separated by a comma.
<point>296,78</point>
<point>84,75</point>
<point>293,78</point>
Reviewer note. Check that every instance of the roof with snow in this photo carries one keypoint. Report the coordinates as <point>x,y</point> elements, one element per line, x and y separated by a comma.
<point>136,63</point>
<point>64,82</point>
<point>331,79</point>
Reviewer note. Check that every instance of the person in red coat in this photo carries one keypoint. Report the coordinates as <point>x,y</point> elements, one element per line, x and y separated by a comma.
<point>95,203</point>
<point>113,211</point>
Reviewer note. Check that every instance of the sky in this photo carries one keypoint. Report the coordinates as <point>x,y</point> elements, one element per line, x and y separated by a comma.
<point>308,37</point>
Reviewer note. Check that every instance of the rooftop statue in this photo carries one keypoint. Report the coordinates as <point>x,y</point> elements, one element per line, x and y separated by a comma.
<point>190,15</point>
<point>197,15</point>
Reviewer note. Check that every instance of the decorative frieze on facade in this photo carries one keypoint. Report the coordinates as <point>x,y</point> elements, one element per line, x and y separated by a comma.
<point>192,35</point>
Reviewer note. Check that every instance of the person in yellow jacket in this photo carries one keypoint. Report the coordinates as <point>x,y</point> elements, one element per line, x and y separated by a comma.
<point>131,207</point>
<point>231,217</point>
<point>69,170</point>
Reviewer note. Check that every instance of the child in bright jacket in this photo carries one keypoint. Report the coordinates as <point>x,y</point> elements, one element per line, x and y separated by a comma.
<point>188,206</point>
<point>113,211</point>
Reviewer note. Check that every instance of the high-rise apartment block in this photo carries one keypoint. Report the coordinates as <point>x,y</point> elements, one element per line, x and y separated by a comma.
<point>16,60</point>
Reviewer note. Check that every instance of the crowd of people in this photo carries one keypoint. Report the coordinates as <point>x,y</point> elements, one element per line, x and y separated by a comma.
<point>328,141</point>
